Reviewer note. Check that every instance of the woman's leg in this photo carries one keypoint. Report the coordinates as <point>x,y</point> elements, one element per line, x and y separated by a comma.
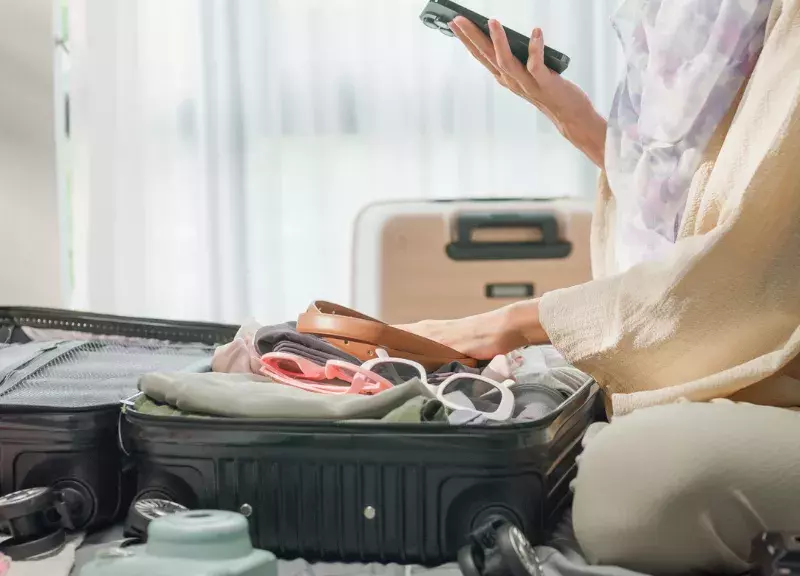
<point>688,486</point>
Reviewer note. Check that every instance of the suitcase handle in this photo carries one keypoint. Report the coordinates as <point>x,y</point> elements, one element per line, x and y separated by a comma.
<point>549,247</point>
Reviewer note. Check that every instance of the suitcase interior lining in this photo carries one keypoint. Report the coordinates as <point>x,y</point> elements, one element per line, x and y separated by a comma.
<point>96,373</point>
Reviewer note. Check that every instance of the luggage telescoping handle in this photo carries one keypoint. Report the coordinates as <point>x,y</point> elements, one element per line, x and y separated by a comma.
<point>547,246</point>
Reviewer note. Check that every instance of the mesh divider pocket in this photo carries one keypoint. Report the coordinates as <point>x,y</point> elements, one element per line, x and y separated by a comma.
<point>100,373</point>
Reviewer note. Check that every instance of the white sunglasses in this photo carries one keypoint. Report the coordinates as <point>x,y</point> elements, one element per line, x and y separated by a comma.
<point>445,391</point>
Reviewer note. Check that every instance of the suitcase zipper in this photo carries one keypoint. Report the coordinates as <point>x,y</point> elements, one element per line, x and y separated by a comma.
<point>99,328</point>
<point>210,334</point>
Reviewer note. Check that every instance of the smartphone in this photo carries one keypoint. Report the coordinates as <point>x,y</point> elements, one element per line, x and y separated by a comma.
<point>439,13</point>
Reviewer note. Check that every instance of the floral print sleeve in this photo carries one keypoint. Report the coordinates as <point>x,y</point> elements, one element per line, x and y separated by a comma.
<point>686,62</point>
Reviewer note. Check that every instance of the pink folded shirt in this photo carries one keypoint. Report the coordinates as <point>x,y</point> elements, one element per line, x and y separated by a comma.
<point>239,356</point>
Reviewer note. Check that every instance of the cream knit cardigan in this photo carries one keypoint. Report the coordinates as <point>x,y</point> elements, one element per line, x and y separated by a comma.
<point>720,317</point>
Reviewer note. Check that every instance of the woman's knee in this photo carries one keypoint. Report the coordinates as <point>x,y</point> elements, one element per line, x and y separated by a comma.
<point>668,489</point>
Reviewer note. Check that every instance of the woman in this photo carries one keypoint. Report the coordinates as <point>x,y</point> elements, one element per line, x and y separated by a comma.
<point>692,324</point>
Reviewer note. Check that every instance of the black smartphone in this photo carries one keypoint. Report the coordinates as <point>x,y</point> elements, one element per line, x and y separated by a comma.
<point>439,13</point>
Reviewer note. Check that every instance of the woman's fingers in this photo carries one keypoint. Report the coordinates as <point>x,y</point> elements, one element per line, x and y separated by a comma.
<point>494,52</point>
<point>511,68</point>
<point>536,66</point>
<point>486,59</point>
<point>476,37</point>
<point>506,61</point>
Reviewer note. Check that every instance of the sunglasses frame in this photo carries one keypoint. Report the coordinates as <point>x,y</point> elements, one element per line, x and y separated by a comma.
<point>311,375</point>
<point>504,411</point>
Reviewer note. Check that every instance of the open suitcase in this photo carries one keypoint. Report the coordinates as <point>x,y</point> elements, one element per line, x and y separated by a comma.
<point>62,377</point>
<point>356,492</point>
<point>449,259</point>
<point>321,491</point>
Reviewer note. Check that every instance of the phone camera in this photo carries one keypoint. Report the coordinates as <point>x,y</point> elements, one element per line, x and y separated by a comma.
<point>431,21</point>
<point>436,23</point>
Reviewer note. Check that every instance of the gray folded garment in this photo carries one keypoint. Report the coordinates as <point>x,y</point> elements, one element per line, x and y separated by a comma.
<point>544,365</point>
<point>285,338</point>
<point>566,380</point>
<point>250,396</point>
<point>532,402</point>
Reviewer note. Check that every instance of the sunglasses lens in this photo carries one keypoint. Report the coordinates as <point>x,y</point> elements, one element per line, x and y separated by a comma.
<point>430,21</point>
<point>286,366</point>
<point>396,372</point>
<point>472,394</point>
<point>344,373</point>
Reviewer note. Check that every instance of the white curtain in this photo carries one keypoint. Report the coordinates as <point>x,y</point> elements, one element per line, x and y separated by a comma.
<point>221,149</point>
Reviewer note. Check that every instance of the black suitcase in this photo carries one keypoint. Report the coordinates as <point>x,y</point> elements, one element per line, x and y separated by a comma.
<point>409,494</point>
<point>62,377</point>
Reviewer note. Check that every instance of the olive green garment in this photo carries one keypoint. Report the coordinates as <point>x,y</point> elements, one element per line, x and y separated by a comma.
<point>249,396</point>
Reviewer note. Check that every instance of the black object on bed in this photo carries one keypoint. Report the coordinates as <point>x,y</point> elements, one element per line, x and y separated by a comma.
<point>62,377</point>
<point>323,491</point>
<point>360,491</point>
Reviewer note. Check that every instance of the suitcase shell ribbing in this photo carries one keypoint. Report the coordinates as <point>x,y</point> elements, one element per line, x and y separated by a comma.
<point>386,493</point>
<point>349,492</point>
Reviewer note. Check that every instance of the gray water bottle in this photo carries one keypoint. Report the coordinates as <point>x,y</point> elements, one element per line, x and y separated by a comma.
<point>200,543</point>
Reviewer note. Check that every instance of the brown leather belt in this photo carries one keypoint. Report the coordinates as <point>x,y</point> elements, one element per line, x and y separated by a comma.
<point>361,336</point>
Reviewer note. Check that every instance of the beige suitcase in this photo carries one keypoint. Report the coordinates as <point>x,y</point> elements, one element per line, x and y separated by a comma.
<point>448,259</point>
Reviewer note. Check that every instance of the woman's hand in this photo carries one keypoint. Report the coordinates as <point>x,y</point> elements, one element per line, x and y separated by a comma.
<point>566,105</point>
<point>486,335</point>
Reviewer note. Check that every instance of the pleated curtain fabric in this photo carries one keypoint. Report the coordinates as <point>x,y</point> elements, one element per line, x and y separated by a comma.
<point>220,151</point>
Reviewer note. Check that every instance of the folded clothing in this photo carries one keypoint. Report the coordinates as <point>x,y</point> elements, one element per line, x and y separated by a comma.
<point>143,404</point>
<point>251,396</point>
<point>499,369</point>
<point>544,365</point>
<point>241,356</point>
<point>532,405</point>
<point>532,402</point>
<point>448,370</point>
<point>238,356</point>
<point>286,339</point>
<point>419,410</point>
<point>544,381</point>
